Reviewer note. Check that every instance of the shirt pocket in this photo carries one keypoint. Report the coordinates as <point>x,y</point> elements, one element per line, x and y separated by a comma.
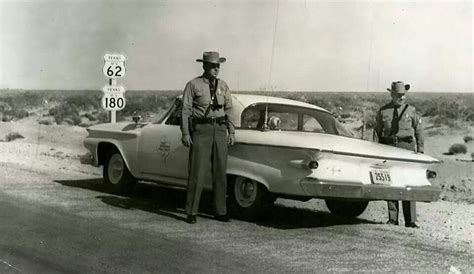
<point>387,121</point>
<point>405,122</point>
<point>220,99</point>
<point>220,95</point>
<point>200,98</point>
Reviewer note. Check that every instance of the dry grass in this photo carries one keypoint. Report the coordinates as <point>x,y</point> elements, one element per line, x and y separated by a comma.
<point>13,136</point>
<point>449,109</point>
<point>457,149</point>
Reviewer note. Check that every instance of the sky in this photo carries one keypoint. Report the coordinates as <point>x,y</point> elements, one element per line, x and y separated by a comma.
<point>269,45</point>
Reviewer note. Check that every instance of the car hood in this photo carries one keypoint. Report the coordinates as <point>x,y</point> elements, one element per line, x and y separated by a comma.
<point>331,144</point>
<point>120,127</point>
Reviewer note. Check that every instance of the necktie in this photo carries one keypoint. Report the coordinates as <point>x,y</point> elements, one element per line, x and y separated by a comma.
<point>213,88</point>
<point>394,130</point>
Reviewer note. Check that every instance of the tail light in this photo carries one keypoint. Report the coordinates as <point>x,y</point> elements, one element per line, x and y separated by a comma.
<point>313,165</point>
<point>430,174</point>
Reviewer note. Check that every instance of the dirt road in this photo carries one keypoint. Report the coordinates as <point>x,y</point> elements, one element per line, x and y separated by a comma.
<point>57,217</point>
<point>65,221</point>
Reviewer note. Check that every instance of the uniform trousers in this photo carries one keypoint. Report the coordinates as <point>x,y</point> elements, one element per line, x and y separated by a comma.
<point>207,162</point>
<point>409,208</point>
<point>409,211</point>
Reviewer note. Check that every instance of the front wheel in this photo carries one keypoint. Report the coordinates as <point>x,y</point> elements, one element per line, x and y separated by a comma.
<point>116,174</point>
<point>344,208</point>
<point>248,198</point>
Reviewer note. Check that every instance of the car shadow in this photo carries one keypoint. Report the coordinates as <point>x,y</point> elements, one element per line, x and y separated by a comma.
<point>170,202</point>
<point>282,217</point>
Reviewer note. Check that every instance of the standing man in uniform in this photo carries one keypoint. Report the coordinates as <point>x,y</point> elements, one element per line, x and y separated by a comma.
<point>207,130</point>
<point>398,124</point>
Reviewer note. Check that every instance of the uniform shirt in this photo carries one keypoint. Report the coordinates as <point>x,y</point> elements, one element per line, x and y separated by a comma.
<point>197,99</point>
<point>409,125</point>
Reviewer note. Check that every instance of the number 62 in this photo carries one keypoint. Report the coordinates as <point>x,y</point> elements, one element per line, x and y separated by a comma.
<point>110,71</point>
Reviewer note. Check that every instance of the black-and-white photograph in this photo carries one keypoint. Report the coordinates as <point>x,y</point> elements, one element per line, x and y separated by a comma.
<point>213,136</point>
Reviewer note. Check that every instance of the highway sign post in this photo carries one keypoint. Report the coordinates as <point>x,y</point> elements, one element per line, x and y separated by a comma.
<point>113,98</point>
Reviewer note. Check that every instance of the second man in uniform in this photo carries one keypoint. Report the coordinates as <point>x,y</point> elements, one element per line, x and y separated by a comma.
<point>398,124</point>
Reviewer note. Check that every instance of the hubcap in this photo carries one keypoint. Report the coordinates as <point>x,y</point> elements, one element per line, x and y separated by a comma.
<point>115,168</point>
<point>245,191</point>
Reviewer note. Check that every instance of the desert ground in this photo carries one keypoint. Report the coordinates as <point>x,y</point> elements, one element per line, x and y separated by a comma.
<point>51,148</point>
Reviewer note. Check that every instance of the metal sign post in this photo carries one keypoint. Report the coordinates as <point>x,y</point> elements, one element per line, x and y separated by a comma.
<point>113,98</point>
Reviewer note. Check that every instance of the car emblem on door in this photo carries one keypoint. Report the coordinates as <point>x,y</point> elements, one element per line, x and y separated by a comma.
<point>164,148</point>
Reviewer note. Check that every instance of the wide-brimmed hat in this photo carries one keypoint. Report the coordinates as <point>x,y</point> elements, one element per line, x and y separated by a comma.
<point>211,57</point>
<point>399,87</point>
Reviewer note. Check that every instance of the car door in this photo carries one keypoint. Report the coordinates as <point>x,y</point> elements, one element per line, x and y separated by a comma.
<point>162,156</point>
<point>177,155</point>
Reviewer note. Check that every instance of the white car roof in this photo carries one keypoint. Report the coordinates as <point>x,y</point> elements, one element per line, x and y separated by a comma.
<point>249,99</point>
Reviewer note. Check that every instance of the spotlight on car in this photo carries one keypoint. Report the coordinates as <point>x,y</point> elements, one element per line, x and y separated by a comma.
<point>136,118</point>
<point>313,165</point>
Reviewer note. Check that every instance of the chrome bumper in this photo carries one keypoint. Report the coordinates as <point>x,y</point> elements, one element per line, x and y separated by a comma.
<point>320,189</point>
<point>87,159</point>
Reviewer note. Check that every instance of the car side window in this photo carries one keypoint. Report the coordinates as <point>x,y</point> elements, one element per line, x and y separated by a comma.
<point>311,124</point>
<point>251,118</point>
<point>278,117</point>
<point>287,120</point>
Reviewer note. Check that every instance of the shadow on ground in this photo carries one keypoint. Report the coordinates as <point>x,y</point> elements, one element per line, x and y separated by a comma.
<point>170,202</point>
<point>282,217</point>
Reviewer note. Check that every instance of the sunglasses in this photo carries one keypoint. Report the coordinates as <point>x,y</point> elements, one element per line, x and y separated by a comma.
<point>212,65</point>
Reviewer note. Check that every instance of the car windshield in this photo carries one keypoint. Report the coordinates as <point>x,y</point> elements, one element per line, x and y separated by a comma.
<point>174,111</point>
<point>291,118</point>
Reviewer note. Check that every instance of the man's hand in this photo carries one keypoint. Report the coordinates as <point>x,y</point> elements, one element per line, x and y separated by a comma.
<point>231,139</point>
<point>186,140</point>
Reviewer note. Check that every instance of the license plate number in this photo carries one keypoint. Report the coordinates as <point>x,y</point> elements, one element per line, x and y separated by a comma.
<point>381,176</point>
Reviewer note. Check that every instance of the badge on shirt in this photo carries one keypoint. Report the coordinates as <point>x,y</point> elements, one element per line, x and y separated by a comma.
<point>219,91</point>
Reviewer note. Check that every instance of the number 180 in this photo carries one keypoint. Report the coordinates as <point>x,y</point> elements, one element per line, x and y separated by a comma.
<point>113,103</point>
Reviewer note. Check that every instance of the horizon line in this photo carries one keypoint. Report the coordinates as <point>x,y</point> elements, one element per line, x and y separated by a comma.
<point>236,91</point>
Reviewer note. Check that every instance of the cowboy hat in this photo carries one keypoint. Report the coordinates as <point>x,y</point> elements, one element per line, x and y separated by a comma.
<point>399,87</point>
<point>211,57</point>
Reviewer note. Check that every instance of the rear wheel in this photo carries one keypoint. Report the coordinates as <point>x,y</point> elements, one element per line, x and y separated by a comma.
<point>248,198</point>
<point>344,208</point>
<point>116,174</point>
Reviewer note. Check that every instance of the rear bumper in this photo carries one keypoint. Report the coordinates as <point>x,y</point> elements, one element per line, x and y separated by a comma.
<point>320,189</point>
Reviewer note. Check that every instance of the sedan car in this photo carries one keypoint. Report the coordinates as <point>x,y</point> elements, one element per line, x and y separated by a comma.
<point>284,148</point>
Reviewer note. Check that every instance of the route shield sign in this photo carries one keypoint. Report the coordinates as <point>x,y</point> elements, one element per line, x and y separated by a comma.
<point>113,98</point>
<point>114,65</point>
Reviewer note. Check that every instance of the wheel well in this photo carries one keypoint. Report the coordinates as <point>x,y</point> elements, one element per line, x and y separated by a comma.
<point>102,150</point>
<point>232,177</point>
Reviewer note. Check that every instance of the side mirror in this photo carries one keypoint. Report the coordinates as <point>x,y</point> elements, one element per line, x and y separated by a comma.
<point>136,118</point>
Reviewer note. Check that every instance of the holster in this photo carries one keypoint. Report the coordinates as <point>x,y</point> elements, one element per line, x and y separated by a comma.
<point>394,140</point>
<point>389,140</point>
<point>191,124</point>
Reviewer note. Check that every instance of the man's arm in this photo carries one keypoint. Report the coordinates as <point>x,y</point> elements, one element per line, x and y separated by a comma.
<point>227,110</point>
<point>186,112</point>
<point>378,128</point>
<point>228,113</point>
<point>418,128</point>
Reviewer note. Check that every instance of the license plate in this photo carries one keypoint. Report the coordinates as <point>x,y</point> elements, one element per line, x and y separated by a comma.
<point>380,176</point>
